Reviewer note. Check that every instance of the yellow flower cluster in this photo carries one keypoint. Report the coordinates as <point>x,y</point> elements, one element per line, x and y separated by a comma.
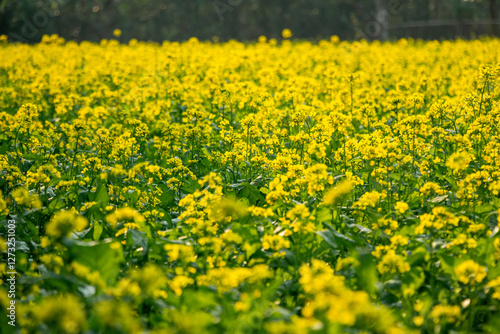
<point>336,194</point>
<point>124,214</point>
<point>469,272</point>
<point>65,222</point>
<point>63,313</point>
<point>226,278</point>
<point>329,297</point>
<point>23,197</point>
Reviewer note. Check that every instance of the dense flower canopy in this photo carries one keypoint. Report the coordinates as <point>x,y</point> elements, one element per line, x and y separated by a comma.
<point>278,187</point>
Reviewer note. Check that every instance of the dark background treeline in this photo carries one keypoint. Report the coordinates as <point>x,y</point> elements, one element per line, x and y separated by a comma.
<point>246,20</point>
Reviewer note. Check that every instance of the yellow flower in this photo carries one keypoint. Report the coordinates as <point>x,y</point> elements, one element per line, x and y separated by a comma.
<point>401,207</point>
<point>150,279</point>
<point>418,320</point>
<point>393,264</point>
<point>241,306</point>
<point>495,284</point>
<point>124,214</point>
<point>258,211</point>
<point>227,278</point>
<point>469,272</point>
<point>459,161</point>
<point>61,313</point>
<point>230,208</point>
<point>113,315</point>
<point>337,193</point>
<point>88,206</point>
<point>387,224</point>
<point>432,188</point>
<point>399,240</point>
<point>126,287</point>
<point>440,218</point>
<point>3,205</point>
<point>23,197</point>
<point>179,282</point>
<point>117,32</point>
<point>334,39</point>
<point>445,313</point>
<point>369,199</point>
<point>44,242</point>
<point>274,242</point>
<point>180,252</point>
<point>346,262</point>
<point>84,272</point>
<point>286,33</point>
<point>65,222</point>
<point>300,211</point>
<point>126,227</point>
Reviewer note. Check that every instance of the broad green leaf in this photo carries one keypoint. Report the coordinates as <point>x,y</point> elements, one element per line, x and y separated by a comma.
<point>137,239</point>
<point>328,237</point>
<point>104,256</point>
<point>366,272</point>
<point>101,195</point>
<point>98,228</point>
<point>413,279</point>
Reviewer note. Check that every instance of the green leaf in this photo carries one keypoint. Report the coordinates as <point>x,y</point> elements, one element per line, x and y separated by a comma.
<point>343,239</point>
<point>133,196</point>
<point>264,190</point>
<point>189,186</point>
<point>167,197</point>
<point>104,257</point>
<point>418,256</point>
<point>324,214</point>
<point>366,272</point>
<point>4,146</point>
<point>328,237</point>
<point>448,264</point>
<point>494,272</point>
<point>395,176</point>
<point>484,208</point>
<point>97,230</point>
<point>486,252</point>
<point>101,195</point>
<point>414,278</point>
<point>137,239</point>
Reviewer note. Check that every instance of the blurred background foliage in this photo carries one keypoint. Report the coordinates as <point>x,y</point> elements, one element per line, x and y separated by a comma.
<point>246,20</point>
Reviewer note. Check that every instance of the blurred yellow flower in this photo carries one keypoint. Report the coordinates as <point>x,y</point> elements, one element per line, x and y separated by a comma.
<point>459,161</point>
<point>65,222</point>
<point>286,33</point>
<point>445,313</point>
<point>469,272</point>
<point>401,207</point>
<point>338,192</point>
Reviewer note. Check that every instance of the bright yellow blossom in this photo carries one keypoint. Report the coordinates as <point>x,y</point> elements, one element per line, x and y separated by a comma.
<point>469,272</point>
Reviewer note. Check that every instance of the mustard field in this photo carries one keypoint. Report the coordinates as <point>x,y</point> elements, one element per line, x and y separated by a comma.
<point>268,187</point>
